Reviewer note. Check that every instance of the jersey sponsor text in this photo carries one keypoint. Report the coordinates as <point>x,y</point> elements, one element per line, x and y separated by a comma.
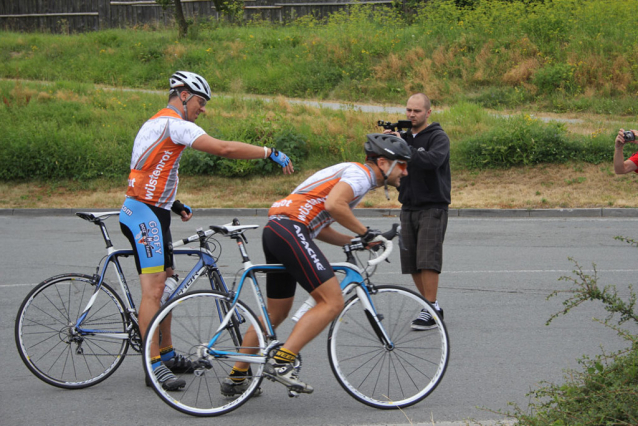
<point>310,251</point>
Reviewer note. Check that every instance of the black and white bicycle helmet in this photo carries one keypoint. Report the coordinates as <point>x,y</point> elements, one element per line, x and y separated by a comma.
<point>195,83</point>
<point>388,146</point>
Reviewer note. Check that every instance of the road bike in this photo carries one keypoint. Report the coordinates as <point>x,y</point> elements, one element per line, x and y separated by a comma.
<point>373,352</point>
<point>74,330</point>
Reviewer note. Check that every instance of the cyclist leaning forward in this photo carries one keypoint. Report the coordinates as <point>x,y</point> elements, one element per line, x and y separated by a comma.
<point>145,216</point>
<point>327,196</point>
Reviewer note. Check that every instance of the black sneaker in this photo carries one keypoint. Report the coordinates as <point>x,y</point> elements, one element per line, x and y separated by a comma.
<point>232,388</point>
<point>425,321</point>
<point>167,379</point>
<point>286,374</point>
<point>179,364</point>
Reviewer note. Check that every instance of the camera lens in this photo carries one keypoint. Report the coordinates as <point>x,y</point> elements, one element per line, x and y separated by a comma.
<point>629,136</point>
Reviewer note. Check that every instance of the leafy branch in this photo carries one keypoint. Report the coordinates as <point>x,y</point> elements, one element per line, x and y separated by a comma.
<point>586,288</point>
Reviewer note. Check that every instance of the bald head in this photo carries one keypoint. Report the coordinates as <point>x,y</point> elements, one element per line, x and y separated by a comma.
<point>422,99</point>
<point>418,111</point>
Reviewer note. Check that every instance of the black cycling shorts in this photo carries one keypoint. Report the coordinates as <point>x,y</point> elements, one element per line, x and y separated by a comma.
<point>288,242</point>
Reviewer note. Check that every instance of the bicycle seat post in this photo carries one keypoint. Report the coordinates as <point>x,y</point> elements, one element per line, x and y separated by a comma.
<point>241,240</point>
<point>105,235</point>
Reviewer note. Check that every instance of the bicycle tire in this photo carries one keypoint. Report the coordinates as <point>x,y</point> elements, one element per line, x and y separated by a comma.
<point>195,316</point>
<point>48,342</point>
<point>378,376</point>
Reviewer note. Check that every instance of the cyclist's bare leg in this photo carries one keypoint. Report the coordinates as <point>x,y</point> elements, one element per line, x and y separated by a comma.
<point>278,310</point>
<point>329,303</point>
<point>165,325</point>
<point>152,288</point>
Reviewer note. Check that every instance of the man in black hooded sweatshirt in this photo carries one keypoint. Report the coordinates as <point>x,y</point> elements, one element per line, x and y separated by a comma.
<point>425,196</point>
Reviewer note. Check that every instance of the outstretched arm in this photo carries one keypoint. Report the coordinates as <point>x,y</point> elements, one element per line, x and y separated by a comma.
<point>240,151</point>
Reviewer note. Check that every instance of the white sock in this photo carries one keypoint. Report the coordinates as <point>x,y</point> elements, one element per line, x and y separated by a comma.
<point>436,305</point>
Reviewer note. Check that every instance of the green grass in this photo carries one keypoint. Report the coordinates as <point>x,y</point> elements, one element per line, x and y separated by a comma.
<point>78,131</point>
<point>560,55</point>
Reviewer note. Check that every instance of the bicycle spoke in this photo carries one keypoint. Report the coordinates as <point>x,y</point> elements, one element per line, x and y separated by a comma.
<point>392,376</point>
<point>50,345</point>
<point>196,317</point>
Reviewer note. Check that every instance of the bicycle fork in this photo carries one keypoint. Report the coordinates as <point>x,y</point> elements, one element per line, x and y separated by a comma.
<point>374,319</point>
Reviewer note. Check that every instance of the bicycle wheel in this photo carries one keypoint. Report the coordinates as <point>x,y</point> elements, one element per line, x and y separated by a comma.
<point>387,377</point>
<point>195,318</point>
<point>53,348</point>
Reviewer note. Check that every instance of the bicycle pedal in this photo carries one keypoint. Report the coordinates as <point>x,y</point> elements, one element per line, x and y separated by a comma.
<point>202,364</point>
<point>296,390</point>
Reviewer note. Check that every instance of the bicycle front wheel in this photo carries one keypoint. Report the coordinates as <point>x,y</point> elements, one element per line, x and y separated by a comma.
<point>195,318</point>
<point>51,345</point>
<point>381,375</point>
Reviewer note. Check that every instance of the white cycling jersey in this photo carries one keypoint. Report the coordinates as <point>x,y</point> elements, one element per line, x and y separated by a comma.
<point>306,204</point>
<point>157,150</point>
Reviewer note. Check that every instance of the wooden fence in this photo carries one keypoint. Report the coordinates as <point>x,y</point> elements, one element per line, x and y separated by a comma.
<point>65,16</point>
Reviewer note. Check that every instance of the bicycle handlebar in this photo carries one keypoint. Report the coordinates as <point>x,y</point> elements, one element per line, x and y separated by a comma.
<point>386,253</point>
<point>228,230</point>
<point>386,242</point>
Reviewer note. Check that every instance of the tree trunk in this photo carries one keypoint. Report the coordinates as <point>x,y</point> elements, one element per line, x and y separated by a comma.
<point>179,17</point>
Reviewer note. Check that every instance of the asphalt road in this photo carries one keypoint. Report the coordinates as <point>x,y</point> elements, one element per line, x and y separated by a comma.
<point>498,273</point>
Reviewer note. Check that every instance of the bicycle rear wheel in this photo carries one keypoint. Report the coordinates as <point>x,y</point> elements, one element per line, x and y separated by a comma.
<point>51,346</point>
<point>195,318</point>
<point>376,374</point>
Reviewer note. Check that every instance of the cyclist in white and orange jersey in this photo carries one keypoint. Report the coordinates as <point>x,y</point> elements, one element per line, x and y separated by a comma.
<point>326,197</point>
<point>152,186</point>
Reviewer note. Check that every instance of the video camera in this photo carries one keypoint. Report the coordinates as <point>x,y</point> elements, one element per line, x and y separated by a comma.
<point>401,124</point>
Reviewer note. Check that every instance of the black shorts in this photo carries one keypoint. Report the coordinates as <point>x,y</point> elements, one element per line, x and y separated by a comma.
<point>288,242</point>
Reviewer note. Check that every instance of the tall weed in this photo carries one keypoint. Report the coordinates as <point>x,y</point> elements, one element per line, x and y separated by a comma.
<point>605,391</point>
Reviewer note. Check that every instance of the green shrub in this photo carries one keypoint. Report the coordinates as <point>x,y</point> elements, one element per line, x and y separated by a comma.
<point>524,141</point>
<point>517,141</point>
<point>555,77</point>
<point>605,392</point>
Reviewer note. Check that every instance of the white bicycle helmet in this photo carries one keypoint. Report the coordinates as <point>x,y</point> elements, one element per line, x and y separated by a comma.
<point>195,83</point>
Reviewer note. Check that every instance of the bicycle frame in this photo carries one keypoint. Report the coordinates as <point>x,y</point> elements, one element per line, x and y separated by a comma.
<point>353,280</point>
<point>205,264</point>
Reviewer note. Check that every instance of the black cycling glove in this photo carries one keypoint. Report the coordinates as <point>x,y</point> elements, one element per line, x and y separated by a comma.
<point>370,235</point>
<point>178,208</point>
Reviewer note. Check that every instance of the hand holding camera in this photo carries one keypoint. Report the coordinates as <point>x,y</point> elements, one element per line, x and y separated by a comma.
<point>623,137</point>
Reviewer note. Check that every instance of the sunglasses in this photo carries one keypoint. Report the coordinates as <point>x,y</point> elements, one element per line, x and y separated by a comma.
<point>402,164</point>
<point>202,101</point>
